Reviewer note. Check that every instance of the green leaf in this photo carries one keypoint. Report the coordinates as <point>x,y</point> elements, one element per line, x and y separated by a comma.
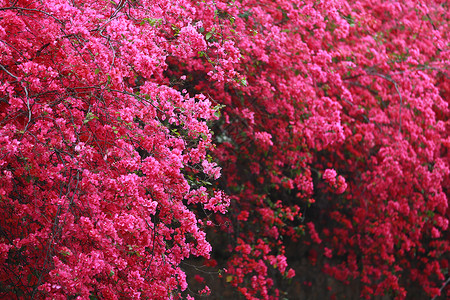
<point>89,116</point>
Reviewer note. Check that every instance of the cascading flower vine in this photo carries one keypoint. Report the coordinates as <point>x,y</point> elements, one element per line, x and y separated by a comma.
<point>330,123</point>
<point>97,147</point>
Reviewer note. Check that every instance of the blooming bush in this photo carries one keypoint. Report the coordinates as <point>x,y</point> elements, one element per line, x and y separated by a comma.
<point>101,157</point>
<point>118,117</point>
<point>343,114</point>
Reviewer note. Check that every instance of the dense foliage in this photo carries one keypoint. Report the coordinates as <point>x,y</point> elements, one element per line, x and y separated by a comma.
<point>329,119</point>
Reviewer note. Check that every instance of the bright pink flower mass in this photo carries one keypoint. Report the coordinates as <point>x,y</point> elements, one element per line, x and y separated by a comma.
<point>328,122</point>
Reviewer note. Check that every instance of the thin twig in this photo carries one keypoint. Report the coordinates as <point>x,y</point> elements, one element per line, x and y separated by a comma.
<point>26,94</point>
<point>442,288</point>
<point>388,78</point>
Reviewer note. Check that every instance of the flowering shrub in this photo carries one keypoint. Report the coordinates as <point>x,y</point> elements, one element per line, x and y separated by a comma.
<point>332,108</point>
<point>99,152</point>
<point>343,114</point>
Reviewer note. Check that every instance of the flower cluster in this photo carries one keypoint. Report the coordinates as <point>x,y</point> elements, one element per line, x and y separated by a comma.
<point>337,183</point>
<point>330,123</point>
<point>99,149</point>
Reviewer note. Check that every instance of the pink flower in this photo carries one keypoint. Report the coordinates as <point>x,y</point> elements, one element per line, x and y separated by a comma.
<point>330,176</point>
<point>435,233</point>
<point>211,169</point>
